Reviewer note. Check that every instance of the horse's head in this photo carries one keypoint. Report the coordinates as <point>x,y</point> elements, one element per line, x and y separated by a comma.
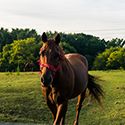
<point>51,56</point>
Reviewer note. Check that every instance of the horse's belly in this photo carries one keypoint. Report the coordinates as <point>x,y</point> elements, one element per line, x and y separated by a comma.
<point>79,86</point>
<point>81,76</point>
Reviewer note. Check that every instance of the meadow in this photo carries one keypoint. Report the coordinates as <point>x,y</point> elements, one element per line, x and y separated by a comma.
<point>21,100</point>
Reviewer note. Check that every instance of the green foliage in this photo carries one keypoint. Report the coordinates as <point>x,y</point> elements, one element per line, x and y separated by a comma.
<point>20,52</point>
<point>115,43</point>
<point>87,45</point>
<point>19,34</point>
<point>116,60</point>
<point>112,58</point>
<point>67,47</point>
<point>7,37</point>
<point>5,56</point>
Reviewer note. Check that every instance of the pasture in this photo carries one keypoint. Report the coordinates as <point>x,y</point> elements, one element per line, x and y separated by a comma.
<point>21,100</point>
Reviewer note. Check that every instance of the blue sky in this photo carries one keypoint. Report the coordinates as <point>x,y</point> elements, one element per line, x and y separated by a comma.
<point>102,18</point>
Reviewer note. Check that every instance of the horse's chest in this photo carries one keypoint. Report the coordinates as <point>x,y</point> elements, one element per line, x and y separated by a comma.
<point>53,95</point>
<point>57,96</point>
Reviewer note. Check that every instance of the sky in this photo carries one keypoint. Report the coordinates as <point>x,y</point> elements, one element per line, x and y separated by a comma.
<point>101,18</point>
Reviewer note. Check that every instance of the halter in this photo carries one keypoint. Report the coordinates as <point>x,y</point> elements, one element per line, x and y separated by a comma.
<point>50,67</point>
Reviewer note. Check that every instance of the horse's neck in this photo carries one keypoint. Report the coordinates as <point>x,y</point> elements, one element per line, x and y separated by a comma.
<point>64,73</point>
<point>66,67</point>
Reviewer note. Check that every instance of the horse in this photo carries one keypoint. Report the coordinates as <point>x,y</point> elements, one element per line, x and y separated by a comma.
<point>63,77</point>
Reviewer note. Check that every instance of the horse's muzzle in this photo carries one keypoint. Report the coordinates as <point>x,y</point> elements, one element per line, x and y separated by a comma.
<point>46,80</point>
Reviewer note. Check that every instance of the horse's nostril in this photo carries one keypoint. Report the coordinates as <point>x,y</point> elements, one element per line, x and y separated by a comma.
<point>46,79</point>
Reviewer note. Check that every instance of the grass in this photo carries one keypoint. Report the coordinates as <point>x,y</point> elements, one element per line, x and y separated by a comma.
<point>21,100</point>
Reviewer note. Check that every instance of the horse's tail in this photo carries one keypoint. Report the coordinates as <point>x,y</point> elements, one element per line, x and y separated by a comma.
<point>95,89</point>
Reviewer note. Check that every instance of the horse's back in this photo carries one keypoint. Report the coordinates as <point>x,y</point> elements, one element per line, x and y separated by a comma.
<point>80,67</point>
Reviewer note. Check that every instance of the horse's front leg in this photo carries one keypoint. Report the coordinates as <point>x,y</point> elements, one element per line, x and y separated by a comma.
<point>46,91</point>
<point>61,112</point>
<point>52,107</point>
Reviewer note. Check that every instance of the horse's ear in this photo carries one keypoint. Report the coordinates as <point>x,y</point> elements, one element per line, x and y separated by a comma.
<point>57,39</point>
<point>44,37</point>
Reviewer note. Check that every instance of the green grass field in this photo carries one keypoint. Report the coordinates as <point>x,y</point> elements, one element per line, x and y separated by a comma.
<point>21,100</point>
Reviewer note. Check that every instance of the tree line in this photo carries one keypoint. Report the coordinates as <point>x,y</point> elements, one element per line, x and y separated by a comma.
<point>19,48</point>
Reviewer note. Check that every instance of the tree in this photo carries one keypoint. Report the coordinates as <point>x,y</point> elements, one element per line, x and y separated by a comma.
<point>20,52</point>
<point>5,38</point>
<point>20,34</point>
<point>116,59</point>
<point>87,45</point>
<point>5,57</point>
<point>112,58</point>
<point>67,47</point>
<point>115,43</point>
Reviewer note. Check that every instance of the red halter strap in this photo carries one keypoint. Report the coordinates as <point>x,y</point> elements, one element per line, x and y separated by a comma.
<point>51,67</point>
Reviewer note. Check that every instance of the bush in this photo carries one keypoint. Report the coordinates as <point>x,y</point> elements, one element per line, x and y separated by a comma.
<point>112,58</point>
<point>19,53</point>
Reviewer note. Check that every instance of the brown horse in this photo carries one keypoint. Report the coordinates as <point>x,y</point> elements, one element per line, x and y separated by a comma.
<point>64,77</point>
